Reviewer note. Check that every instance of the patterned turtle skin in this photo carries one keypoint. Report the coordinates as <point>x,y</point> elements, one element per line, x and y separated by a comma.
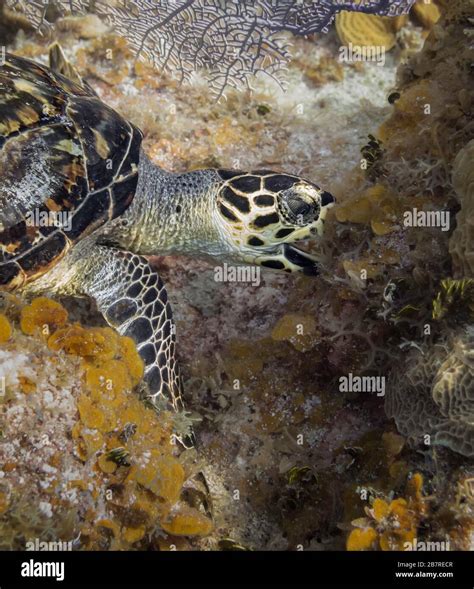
<point>71,155</point>
<point>69,159</point>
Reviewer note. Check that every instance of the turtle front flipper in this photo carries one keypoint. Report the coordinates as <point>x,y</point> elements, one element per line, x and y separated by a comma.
<point>133,300</point>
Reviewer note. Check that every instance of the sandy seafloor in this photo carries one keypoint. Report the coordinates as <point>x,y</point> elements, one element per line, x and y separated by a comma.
<point>287,455</point>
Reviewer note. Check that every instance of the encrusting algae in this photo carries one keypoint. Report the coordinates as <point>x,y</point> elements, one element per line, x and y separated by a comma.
<point>43,315</point>
<point>125,462</point>
<point>5,329</point>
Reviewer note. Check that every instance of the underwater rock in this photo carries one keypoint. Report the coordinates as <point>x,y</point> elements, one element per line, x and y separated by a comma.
<point>85,27</point>
<point>11,23</point>
<point>299,330</point>
<point>81,454</point>
<point>456,10</point>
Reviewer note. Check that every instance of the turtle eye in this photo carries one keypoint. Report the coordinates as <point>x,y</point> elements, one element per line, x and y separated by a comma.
<point>301,207</point>
<point>298,206</point>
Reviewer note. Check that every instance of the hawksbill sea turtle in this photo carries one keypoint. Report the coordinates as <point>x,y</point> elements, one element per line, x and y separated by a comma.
<point>63,152</point>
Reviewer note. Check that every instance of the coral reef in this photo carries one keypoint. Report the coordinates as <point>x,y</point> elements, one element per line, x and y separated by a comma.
<point>365,30</point>
<point>461,244</point>
<point>455,300</point>
<point>382,33</point>
<point>391,524</point>
<point>204,34</point>
<point>84,460</point>
<point>435,390</point>
<point>291,458</point>
<point>433,399</point>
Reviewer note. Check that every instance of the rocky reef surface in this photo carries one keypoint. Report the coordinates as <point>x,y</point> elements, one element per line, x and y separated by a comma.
<point>295,451</point>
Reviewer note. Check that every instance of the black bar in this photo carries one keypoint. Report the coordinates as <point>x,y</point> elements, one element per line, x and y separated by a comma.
<point>261,568</point>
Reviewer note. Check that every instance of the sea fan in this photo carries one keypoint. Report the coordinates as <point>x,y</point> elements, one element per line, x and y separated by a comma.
<point>232,40</point>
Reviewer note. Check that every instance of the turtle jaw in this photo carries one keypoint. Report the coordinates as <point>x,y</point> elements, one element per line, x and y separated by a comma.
<point>285,257</point>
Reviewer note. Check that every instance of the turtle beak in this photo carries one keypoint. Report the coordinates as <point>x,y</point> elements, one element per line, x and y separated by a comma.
<point>301,261</point>
<point>327,199</point>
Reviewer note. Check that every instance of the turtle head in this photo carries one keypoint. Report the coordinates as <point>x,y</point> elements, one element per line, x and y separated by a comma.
<point>240,217</point>
<point>263,212</point>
